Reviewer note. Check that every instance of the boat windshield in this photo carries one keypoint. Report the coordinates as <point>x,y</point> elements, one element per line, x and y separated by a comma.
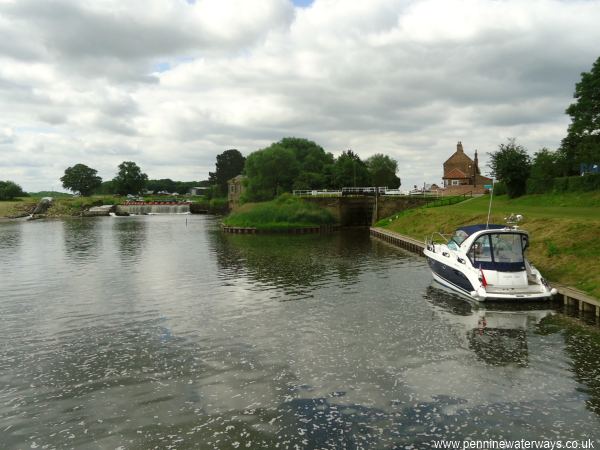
<point>459,237</point>
<point>499,251</point>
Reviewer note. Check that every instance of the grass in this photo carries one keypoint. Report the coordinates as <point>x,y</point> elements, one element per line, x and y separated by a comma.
<point>284,212</point>
<point>9,208</point>
<point>564,231</point>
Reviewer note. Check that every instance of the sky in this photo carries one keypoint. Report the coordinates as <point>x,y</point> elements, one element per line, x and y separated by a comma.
<point>170,84</point>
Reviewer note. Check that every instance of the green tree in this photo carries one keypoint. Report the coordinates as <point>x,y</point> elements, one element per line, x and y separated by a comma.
<point>270,172</point>
<point>511,164</point>
<point>582,143</point>
<point>229,164</point>
<point>314,164</point>
<point>350,171</point>
<point>382,170</point>
<point>10,190</point>
<point>81,178</point>
<point>130,179</point>
<point>106,188</point>
<point>545,166</point>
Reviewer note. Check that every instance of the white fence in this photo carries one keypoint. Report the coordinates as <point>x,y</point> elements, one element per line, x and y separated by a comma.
<point>368,190</point>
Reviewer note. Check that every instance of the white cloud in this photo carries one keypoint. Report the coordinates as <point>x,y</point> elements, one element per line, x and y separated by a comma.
<point>171,84</point>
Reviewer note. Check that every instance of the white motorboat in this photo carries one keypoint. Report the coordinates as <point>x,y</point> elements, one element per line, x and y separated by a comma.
<point>487,262</point>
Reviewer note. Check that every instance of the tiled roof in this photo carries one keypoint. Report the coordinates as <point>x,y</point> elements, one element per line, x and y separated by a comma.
<point>455,173</point>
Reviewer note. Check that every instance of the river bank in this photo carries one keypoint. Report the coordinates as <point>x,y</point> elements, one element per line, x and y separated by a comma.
<point>284,213</point>
<point>564,231</point>
<point>78,206</point>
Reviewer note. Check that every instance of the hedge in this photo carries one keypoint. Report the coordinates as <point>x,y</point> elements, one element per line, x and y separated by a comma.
<point>585,183</point>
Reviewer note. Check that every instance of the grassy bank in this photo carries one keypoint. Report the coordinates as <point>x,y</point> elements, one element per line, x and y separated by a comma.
<point>284,212</point>
<point>18,207</point>
<point>67,205</point>
<point>564,229</point>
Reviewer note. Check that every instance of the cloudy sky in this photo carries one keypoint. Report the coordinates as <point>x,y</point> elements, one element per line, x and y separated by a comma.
<point>170,84</point>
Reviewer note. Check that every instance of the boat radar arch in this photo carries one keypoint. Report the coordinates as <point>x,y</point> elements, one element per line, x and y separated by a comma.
<point>513,220</point>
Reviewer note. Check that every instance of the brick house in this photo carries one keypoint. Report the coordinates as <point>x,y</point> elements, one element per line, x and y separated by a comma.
<point>462,174</point>
<point>234,191</point>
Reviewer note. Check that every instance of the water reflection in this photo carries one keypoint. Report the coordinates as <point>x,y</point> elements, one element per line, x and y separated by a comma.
<point>298,263</point>
<point>82,238</point>
<point>495,332</point>
<point>130,236</point>
<point>10,237</point>
<point>582,342</point>
<point>186,348</point>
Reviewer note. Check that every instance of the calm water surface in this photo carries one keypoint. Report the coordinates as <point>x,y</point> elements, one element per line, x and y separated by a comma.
<point>161,332</point>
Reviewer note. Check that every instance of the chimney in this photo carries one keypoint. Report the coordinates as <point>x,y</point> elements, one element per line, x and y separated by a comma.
<point>459,147</point>
<point>475,169</point>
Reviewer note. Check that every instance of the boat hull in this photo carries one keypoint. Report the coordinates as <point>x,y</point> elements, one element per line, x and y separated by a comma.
<point>456,280</point>
<point>450,276</point>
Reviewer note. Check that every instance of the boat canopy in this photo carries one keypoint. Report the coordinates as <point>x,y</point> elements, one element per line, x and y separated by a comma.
<point>503,252</point>
<point>469,230</point>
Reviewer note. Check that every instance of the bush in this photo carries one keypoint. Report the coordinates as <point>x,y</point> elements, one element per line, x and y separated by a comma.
<point>286,211</point>
<point>218,204</point>
<point>539,186</point>
<point>499,188</point>
<point>561,184</point>
<point>589,182</point>
<point>10,190</point>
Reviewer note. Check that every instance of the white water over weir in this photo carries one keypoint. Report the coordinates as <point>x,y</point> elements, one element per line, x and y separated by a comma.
<point>140,209</point>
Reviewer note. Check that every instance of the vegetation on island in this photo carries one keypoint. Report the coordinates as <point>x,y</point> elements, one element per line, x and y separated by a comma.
<point>564,230</point>
<point>301,164</point>
<point>229,164</point>
<point>285,212</point>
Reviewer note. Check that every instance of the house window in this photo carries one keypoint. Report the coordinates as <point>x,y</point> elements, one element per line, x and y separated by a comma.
<point>455,182</point>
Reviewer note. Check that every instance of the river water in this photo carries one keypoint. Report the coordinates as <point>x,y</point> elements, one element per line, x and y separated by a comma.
<point>162,332</point>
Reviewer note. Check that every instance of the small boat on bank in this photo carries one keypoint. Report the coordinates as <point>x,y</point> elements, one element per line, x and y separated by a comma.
<point>487,262</point>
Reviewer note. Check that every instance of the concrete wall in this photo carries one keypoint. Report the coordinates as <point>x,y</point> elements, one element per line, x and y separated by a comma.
<point>364,211</point>
<point>387,205</point>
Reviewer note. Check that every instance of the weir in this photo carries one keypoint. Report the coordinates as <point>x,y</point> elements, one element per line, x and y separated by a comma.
<point>147,208</point>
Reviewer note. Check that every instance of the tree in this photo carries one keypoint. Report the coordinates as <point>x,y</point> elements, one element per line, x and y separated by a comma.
<point>582,143</point>
<point>82,179</point>
<point>511,164</point>
<point>130,179</point>
<point>350,171</point>
<point>10,190</point>
<point>270,172</point>
<point>164,184</point>
<point>314,164</point>
<point>545,166</point>
<point>382,170</point>
<point>229,164</point>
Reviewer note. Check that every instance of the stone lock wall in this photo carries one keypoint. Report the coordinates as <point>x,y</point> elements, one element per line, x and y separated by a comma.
<point>365,210</point>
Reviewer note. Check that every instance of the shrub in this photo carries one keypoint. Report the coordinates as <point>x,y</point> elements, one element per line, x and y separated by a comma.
<point>590,182</point>
<point>10,190</point>
<point>499,188</point>
<point>539,186</point>
<point>218,204</point>
<point>286,211</point>
<point>561,184</point>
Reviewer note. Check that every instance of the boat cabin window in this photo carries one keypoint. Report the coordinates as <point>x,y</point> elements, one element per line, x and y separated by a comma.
<point>458,237</point>
<point>508,248</point>
<point>500,248</point>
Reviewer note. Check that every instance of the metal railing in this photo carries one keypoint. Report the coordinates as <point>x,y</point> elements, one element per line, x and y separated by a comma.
<point>345,191</point>
<point>316,193</point>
